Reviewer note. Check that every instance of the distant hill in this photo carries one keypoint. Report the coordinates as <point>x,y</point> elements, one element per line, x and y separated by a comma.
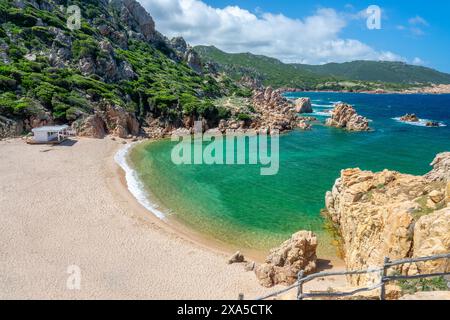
<point>276,73</point>
<point>269,70</point>
<point>396,72</point>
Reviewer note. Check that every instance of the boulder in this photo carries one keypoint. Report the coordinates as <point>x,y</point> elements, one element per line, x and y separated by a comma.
<point>303,105</point>
<point>237,257</point>
<point>285,262</point>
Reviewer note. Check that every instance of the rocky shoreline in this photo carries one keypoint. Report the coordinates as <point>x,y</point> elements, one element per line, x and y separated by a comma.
<point>395,215</point>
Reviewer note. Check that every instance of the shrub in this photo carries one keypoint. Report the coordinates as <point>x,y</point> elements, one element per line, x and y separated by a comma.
<point>85,48</point>
<point>243,117</point>
<point>7,83</point>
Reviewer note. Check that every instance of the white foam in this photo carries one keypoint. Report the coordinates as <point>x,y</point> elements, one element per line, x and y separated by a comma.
<point>420,123</point>
<point>134,184</point>
<point>321,113</point>
<point>322,105</point>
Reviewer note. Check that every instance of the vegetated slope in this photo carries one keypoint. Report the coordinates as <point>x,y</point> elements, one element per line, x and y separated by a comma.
<point>365,74</point>
<point>396,72</point>
<point>269,70</point>
<point>118,57</point>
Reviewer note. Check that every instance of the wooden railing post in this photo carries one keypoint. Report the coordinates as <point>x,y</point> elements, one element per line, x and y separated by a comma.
<point>383,282</point>
<point>300,285</point>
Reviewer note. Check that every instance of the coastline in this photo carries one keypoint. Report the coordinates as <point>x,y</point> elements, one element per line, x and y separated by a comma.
<point>147,208</point>
<point>69,205</point>
<point>132,188</point>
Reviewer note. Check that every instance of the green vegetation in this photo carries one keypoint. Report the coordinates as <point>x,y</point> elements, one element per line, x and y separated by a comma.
<point>424,209</point>
<point>270,71</point>
<point>351,76</point>
<point>411,286</point>
<point>162,87</point>
<point>378,71</point>
<point>333,230</point>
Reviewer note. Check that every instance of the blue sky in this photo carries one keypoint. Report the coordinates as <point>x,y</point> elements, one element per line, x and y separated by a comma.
<point>312,31</point>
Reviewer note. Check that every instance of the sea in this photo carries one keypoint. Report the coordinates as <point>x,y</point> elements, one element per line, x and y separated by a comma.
<point>237,205</point>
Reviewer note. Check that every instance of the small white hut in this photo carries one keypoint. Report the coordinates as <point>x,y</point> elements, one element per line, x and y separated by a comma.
<point>51,134</point>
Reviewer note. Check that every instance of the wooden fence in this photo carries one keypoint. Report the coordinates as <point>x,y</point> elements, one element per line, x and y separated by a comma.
<point>382,271</point>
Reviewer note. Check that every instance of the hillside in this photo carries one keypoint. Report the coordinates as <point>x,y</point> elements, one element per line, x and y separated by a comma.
<point>117,63</point>
<point>395,72</point>
<point>269,70</point>
<point>365,74</point>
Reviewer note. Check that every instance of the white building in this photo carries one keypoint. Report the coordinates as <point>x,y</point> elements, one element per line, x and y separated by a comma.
<point>51,134</point>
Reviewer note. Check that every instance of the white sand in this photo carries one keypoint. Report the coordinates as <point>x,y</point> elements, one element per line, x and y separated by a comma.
<point>68,205</point>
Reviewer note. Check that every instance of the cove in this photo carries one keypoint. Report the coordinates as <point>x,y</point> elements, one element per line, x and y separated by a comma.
<point>236,205</point>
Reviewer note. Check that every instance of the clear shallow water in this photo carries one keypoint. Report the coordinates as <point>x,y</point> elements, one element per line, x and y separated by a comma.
<point>236,205</point>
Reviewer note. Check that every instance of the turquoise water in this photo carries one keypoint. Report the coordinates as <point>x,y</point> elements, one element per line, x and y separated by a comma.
<point>236,205</point>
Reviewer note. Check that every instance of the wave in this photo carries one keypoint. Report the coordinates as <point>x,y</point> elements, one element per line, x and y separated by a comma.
<point>420,123</point>
<point>322,105</point>
<point>321,114</point>
<point>134,185</point>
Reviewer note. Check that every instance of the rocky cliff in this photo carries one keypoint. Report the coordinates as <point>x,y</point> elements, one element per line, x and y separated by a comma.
<point>390,214</point>
<point>275,111</point>
<point>53,73</point>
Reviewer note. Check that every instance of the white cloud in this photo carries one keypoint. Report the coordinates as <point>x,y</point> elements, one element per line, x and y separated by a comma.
<point>418,61</point>
<point>418,20</point>
<point>313,39</point>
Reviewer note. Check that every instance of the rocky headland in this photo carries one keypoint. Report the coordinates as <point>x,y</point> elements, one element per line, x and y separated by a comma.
<point>390,214</point>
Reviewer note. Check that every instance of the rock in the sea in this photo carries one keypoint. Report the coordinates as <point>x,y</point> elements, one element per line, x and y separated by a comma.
<point>386,214</point>
<point>433,124</point>
<point>344,116</point>
<point>285,262</point>
<point>303,105</point>
<point>237,257</point>
<point>409,118</point>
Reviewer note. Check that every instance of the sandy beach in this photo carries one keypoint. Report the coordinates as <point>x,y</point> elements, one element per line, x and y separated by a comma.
<point>68,205</point>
